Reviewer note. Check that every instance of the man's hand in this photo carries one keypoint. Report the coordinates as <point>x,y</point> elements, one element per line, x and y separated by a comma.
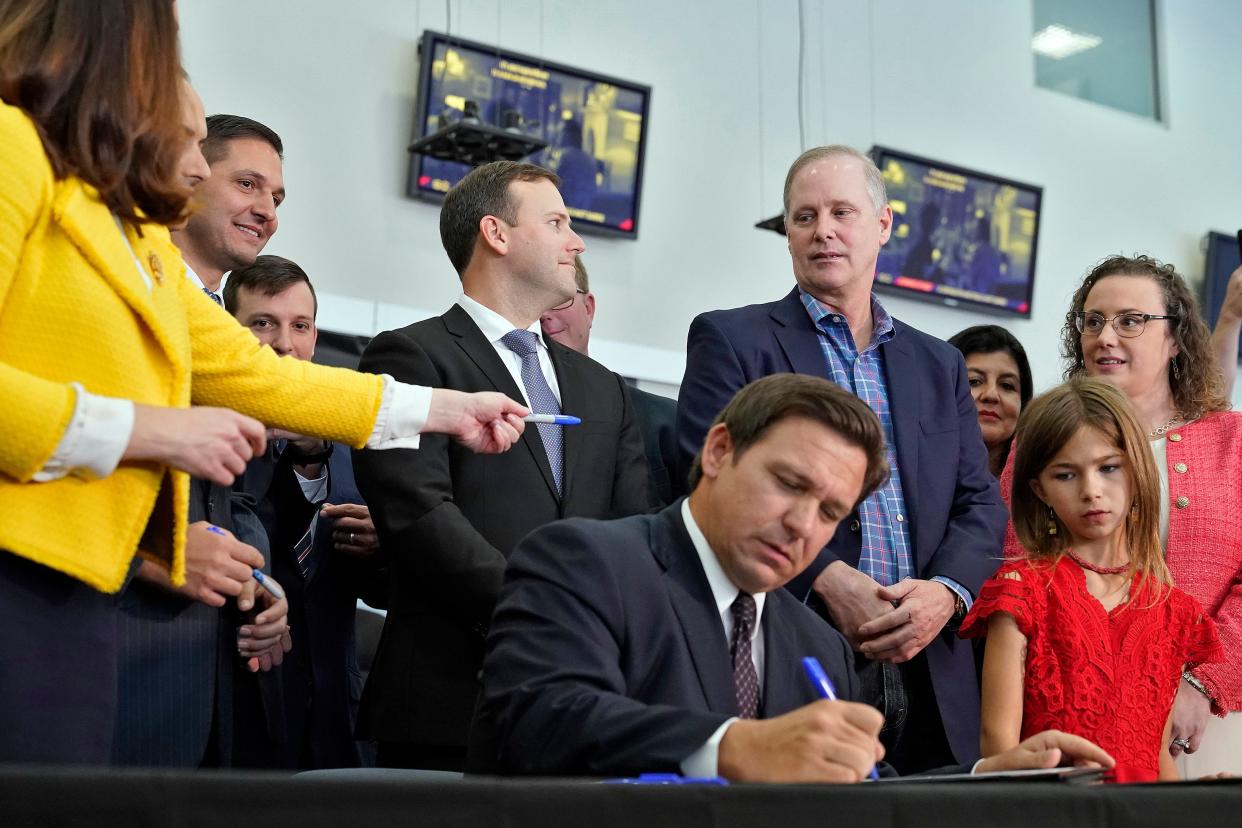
<point>485,422</point>
<point>354,533</point>
<point>265,640</point>
<point>307,445</point>
<point>211,443</point>
<point>852,598</point>
<point>217,565</point>
<point>1190,715</point>
<point>1231,305</point>
<point>1048,749</point>
<point>826,741</point>
<point>923,608</point>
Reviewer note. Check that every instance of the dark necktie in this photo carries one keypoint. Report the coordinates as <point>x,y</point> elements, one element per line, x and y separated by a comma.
<point>539,395</point>
<point>745,679</point>
<point>215,297</point>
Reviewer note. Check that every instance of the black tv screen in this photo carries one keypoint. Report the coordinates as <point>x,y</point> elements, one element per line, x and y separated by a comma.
<point>595,126</point>
<point>1223,258</point>
<point>960,238</point>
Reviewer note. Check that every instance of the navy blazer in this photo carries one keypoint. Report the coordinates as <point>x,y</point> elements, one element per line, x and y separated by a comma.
<point>607,656</point>
<point>952,504</point>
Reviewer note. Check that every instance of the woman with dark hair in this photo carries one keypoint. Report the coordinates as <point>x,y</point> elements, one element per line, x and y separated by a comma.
<point>1000,382</point>
<point>105,346</point>
<point>1134,323</point>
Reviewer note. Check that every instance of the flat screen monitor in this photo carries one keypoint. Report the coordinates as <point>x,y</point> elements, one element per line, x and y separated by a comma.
<point>960,237</point>
<point>1223,258</point>
<point>595,126</point>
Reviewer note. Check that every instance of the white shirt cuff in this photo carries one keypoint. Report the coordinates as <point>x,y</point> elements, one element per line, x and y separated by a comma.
<point>403,412</point>
<point>95,440</point>
<point>316,490</point>
<point>704,761</point>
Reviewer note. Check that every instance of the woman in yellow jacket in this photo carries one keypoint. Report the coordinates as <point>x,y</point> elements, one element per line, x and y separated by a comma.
<point>105,349</point>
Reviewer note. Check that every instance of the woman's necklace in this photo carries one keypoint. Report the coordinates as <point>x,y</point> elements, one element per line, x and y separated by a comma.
<point>1159,431</point>
<point>1099,570</point>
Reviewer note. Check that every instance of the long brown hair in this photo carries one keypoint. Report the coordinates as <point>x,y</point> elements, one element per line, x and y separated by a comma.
<point>102,83</point>
<point>1051,421</point>
<point>1196,384</point>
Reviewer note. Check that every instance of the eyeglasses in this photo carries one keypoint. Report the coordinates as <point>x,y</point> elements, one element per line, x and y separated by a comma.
<point>570,303</point>
<point>1128,325</point>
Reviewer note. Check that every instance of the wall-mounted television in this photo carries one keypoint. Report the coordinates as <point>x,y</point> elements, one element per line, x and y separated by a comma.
<point>1223,258</point>
<point>595,126</point>
<point>960,237</point>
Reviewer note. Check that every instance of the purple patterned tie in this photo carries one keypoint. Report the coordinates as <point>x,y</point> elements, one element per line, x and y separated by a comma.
<point>745,679</point>
<point>539,395</point>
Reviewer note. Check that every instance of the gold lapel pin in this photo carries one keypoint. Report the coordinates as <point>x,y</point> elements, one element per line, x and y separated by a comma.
<point>157,269</point>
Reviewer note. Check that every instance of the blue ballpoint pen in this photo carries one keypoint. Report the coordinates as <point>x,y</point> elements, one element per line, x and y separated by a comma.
<point>823,686</point>
<point>552,419</point>
<point>263,580</point>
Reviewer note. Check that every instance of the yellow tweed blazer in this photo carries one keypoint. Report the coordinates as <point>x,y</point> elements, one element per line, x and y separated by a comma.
<point>74,308</point>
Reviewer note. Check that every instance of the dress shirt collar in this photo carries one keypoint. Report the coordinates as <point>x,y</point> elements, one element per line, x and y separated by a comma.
<point>831,322</point>
<point>493,325</point>
<point>724,591</point>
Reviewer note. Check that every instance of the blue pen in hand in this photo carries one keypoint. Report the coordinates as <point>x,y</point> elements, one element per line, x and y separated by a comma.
<point>264,581</point>
<point>823,686</point>
<point>552,419</point>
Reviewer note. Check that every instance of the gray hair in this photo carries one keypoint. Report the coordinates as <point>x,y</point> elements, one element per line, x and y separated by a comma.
<point>874,179</point>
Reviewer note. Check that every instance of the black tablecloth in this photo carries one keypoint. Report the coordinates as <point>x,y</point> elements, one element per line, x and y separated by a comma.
<point>36,797</point>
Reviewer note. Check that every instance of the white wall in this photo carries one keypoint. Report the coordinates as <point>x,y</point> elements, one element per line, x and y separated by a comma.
<point>952,80</point>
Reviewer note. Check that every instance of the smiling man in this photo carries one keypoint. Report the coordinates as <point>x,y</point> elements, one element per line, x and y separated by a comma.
<point>907,563</point>
<point>235,209</point>
<point>448,521</point>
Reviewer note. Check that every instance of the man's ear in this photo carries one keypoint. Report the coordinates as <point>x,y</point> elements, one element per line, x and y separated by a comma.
<point>717,450</point>
<point>495,234</point>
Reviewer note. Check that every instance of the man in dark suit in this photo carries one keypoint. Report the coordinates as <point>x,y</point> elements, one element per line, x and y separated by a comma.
<point>184,696</point>
<point>637,645</point>
<point>570,325</point>
<point>447,520</point>
<point>324,545</point>
<point>902,571</point>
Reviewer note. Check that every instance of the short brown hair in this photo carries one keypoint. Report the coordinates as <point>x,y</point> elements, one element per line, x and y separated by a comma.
<point>1050,422</point>
<point>224,129</point>
<point>267,275</point>
<point>1196,385</point>
<point>581,280</point>
<point>765,402</point>
<point>483,192</point>
<point>102,83</point>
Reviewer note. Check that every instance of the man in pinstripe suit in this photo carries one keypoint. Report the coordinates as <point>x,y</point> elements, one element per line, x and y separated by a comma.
<point>184,696</point>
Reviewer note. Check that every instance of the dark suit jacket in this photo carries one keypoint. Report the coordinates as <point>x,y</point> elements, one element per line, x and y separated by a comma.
<point>449,518</point>
<point>607,656</point>
<point>319,678</point>
<point>657,419</point>
<point>177,670</point>
<point>956,517</point>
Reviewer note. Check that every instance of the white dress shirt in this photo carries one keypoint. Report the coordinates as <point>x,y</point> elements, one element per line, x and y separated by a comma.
<point>494,328</point>
<point>703,762</point>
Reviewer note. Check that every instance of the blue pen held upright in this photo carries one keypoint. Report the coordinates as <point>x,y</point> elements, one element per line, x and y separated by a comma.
<point>823,686</point>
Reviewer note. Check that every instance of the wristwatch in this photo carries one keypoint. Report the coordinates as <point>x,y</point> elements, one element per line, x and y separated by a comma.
<point>959,608</point>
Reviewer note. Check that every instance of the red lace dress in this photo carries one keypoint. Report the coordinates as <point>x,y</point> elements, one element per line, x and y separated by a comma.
<point>1106,676</point>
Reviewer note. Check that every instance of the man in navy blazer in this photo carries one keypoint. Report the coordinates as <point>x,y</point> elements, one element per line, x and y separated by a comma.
<point>325,550</point>
<point>637,645</point>
<point>903,569</point>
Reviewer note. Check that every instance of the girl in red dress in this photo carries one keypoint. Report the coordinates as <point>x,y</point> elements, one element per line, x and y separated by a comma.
<point>1087,634</point>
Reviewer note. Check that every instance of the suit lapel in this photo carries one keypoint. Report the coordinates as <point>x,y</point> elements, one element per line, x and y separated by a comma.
<point>797,336</point>
<point>903,378</point>
<point>93,231</point>
<point>471,340</point>
<point>780,657</point>
<point>692,601</point>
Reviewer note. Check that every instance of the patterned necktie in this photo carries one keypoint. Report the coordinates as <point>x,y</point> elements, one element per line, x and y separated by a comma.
<point>539,395</point>
<point>215,297</point>
<point>745,679</point>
